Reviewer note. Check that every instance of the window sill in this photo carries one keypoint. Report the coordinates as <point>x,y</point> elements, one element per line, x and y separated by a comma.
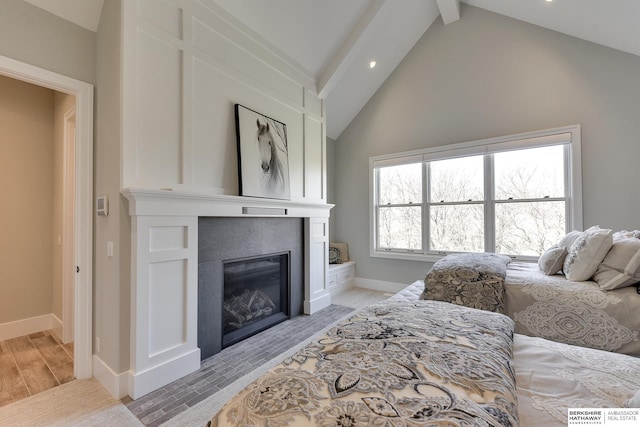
<point>405,256</point>
<point>433,257</point>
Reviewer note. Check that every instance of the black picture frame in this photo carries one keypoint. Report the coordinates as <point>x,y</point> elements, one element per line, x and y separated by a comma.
<point>263,155</point>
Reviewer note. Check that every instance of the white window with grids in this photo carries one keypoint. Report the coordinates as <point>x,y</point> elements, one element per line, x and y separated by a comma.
<point>516,195</point>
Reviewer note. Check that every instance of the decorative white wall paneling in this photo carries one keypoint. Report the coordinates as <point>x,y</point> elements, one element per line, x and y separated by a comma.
<point>185,67</point>
<point>186,63</point>
<point>164,287</point>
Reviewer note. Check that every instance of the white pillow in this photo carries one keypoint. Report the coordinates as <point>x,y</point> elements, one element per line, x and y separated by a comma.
<point>569,238</point>
<point>621,266</point>
<point>633,401</point>
<point>551,261</point>
<point>586,253</point>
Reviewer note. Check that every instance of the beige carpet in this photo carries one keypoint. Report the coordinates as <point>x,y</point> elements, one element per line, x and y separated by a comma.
<point>77,403</point>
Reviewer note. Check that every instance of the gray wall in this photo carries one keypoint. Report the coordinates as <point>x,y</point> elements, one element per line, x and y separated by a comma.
<point>488,75</point>
<point>331,184</point>
<point>37,37</point>
<point>111,275</point>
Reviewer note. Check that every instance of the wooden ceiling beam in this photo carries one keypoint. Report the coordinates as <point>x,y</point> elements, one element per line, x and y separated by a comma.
<point>449,10</point>
<point>358,37</point>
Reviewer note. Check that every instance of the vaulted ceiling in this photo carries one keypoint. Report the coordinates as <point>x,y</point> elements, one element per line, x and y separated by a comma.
<point>332,42</point>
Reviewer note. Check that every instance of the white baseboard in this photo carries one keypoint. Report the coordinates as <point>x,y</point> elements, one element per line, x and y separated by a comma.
<point>28,326</point>
<point>318,303</point>
<point>338,289</point>
<point>57,327</point>
<point>115,384</point>
<point>379,285</point>
<point>141,383</point>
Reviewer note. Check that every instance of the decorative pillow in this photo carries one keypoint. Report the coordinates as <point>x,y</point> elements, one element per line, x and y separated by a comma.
<point>474,280</point>
<point>344,250</point>
<point>621,266</point>
<point>551,261</point>
<point>569,238</point>
<point>586,253</point>
<point>633,401</point>
<point>334,256</point>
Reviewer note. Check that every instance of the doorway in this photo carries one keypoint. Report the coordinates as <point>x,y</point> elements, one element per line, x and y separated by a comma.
<point>79,199</point>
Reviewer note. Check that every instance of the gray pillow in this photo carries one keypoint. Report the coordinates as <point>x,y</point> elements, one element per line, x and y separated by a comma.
<point>552,260</point>
<point>621,266</point>
<point>569,238</point>
<point>586,253</point>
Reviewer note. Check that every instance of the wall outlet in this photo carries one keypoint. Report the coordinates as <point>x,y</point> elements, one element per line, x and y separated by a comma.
<point>97,345</point>
<point>110,249</point>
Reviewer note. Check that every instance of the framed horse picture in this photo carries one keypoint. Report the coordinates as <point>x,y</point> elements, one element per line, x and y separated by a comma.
<point>263,155</point>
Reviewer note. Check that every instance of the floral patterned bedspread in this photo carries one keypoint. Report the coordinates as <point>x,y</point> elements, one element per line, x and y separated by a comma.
<point>393,364</point>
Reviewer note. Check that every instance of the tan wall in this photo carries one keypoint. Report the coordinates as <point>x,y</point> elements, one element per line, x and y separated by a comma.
<point>26,222</point>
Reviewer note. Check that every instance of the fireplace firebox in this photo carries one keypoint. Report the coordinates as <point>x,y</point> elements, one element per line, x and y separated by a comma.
<point>225,242</point>
<point>255,295</point>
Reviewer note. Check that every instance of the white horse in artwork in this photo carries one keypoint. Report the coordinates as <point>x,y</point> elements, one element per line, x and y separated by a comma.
<point>272,167</point>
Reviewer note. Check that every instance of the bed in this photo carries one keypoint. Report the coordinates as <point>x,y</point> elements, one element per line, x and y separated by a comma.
<point>577,312</point>
<point>411,362</point>
<point>552,377</point>
<point>572,312</point>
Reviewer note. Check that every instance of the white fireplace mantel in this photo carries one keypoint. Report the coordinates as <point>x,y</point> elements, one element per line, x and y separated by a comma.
<point>170,202</point>
<point>164,273</point>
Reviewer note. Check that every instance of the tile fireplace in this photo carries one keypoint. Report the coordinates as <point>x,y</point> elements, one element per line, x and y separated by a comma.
<point>250,277</point>
<point>177,268</point>
<point>255,295</point>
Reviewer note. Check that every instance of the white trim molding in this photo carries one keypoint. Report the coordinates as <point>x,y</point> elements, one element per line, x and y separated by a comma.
<point>19,328</point>
<point>115,384</point>
<point>164,274</point>
<point>83,211</point>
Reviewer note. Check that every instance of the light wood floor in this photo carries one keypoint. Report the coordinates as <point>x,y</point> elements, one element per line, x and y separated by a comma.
<point>359,297</point>
<point>32,364</point>
<point>38,362</point>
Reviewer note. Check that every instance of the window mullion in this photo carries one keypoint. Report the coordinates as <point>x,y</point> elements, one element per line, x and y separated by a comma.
<point>376,196</point>
<point>569,215</point>
<point>543,199</point>
<point>489,205</point>
<point>426,207</point>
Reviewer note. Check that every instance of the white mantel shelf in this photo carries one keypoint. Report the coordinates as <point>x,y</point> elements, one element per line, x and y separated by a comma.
<point>144,201</point>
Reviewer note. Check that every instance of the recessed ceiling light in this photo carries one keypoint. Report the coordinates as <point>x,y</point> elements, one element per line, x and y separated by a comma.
<point>372,64</point>
<point>549,1</point>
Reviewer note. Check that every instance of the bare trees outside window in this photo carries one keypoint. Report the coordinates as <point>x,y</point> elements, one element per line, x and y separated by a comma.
<point>400,207</point>
<point>456,204</point>
<point>510,199</point>
<point>530,200</point>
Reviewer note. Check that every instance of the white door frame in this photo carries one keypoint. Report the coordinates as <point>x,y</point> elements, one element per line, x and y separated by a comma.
<point>68,222</point>
<point>83,212</point>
